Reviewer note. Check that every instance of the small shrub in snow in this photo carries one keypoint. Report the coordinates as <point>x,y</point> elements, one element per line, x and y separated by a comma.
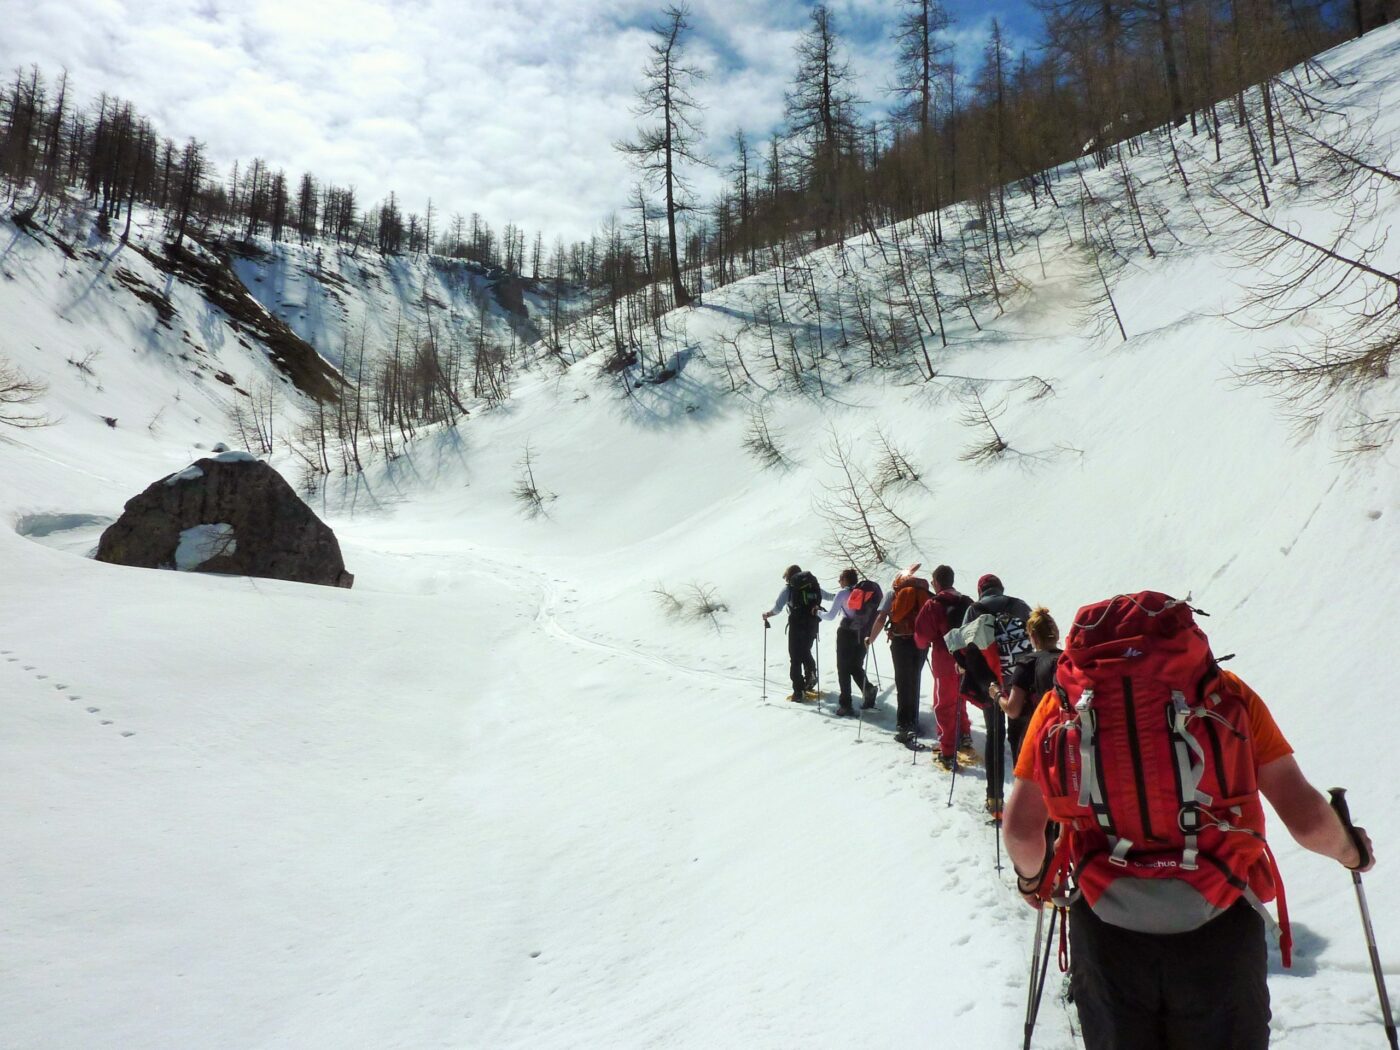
<point>895,469</point>
<point>527,491</point>
<point>698,602</point>
<point>16,392</point>
<point>990,445</point>
<point>762,442</point>
<point>862,520</point>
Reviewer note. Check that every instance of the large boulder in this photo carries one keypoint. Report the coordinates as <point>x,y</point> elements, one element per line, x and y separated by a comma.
<point>229,513</point>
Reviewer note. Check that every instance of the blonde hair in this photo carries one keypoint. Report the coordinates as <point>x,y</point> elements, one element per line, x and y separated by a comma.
<point>1042,628</point>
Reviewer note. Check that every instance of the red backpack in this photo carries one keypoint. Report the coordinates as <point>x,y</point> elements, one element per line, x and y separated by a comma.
<point>1148,767</point>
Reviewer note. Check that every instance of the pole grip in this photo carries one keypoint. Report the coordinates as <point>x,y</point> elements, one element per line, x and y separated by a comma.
<point>1338,797</point>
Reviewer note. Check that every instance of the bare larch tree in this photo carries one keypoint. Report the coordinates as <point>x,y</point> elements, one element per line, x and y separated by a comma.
<point>671,129</point>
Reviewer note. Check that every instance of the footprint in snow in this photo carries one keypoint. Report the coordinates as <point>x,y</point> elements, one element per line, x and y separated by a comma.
<point>74,696</point>
<point>106,721</point>
<point>93,710</point>
<point>29,667</point>
<point>127,732</point>
<point>41,677</point>
<point>59,686</point>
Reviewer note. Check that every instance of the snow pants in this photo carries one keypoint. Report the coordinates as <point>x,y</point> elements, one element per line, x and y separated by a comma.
<point>994,721</point>
<point>1016,733</point>
<point>908,660</point>
<point>850,662</point>
<point>802,665</point>
<point>949,707</point>
<point>1205,990</point>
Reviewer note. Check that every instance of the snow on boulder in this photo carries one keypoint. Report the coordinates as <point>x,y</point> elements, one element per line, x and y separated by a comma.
<point>230,514</point>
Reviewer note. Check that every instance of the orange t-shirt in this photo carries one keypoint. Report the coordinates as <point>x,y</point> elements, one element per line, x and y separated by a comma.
<point>1264,734</point>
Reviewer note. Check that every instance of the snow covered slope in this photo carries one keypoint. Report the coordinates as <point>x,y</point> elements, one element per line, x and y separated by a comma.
<point>494,796</point>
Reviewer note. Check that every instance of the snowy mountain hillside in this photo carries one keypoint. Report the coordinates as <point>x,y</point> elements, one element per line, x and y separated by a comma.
<point>520,787</point>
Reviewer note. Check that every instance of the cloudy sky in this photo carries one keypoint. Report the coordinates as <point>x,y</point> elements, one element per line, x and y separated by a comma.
<point>505,107</point>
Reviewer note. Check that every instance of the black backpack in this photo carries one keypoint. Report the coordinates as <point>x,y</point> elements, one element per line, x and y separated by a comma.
<point>863,603</point>
<point>804,597</point>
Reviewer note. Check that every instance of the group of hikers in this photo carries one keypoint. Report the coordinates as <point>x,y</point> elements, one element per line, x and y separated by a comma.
<point>1135,817</point>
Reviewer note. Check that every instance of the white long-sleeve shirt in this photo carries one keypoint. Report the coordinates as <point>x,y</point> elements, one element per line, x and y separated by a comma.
<point>838,607</point>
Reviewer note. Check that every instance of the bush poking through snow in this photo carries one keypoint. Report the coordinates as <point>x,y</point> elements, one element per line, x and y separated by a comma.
<point>761,442</point>
<point>895,469</point>
<point>862,521</point>
<point>699,602</point>
<point>527,490</point>
<point>978,416</point>
<point>17,391</point>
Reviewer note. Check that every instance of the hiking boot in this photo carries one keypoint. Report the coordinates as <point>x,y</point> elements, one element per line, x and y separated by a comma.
<point>965,742</point>
<point>994,808</point>
<point>945,762</point>
<point>870,694</point>
<point>846,711</point>
<point>903,736</point>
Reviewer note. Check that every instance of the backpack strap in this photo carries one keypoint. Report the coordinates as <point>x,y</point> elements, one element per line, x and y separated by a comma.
<point>1190,769</point>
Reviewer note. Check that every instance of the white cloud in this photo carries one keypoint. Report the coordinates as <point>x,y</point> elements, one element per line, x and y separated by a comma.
<point>506,107</point>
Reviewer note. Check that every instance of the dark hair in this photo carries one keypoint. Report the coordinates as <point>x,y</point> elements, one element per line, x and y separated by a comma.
<point>792,570</point>
<point>849,577</point>
<point>943,576</point>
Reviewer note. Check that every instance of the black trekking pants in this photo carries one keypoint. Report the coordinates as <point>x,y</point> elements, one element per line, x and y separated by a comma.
<point>994,721</point>
<point>802,665</point>
<point>850,662</point>
<point>1203,990</point>
<point>908,662</point>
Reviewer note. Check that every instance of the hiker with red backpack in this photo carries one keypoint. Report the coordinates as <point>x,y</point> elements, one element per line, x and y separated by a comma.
<point>802,597</point>
<point>856,605</point>
<point>899,611</point>
<point>947,610</point>
<point>1152,760</point>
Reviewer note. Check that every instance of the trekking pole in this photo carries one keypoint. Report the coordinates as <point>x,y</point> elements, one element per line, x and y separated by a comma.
<point>860,711</point>
<point>1339,803</point>
<point>1037,983</point>
<point>875,663</point>
<point>954,779</point>
<point>766,628</point>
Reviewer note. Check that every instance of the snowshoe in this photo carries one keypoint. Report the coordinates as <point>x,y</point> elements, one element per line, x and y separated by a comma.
<point>967,756</point>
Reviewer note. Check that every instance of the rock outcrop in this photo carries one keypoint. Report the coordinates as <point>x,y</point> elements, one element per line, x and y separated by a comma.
<point>230,514</point>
